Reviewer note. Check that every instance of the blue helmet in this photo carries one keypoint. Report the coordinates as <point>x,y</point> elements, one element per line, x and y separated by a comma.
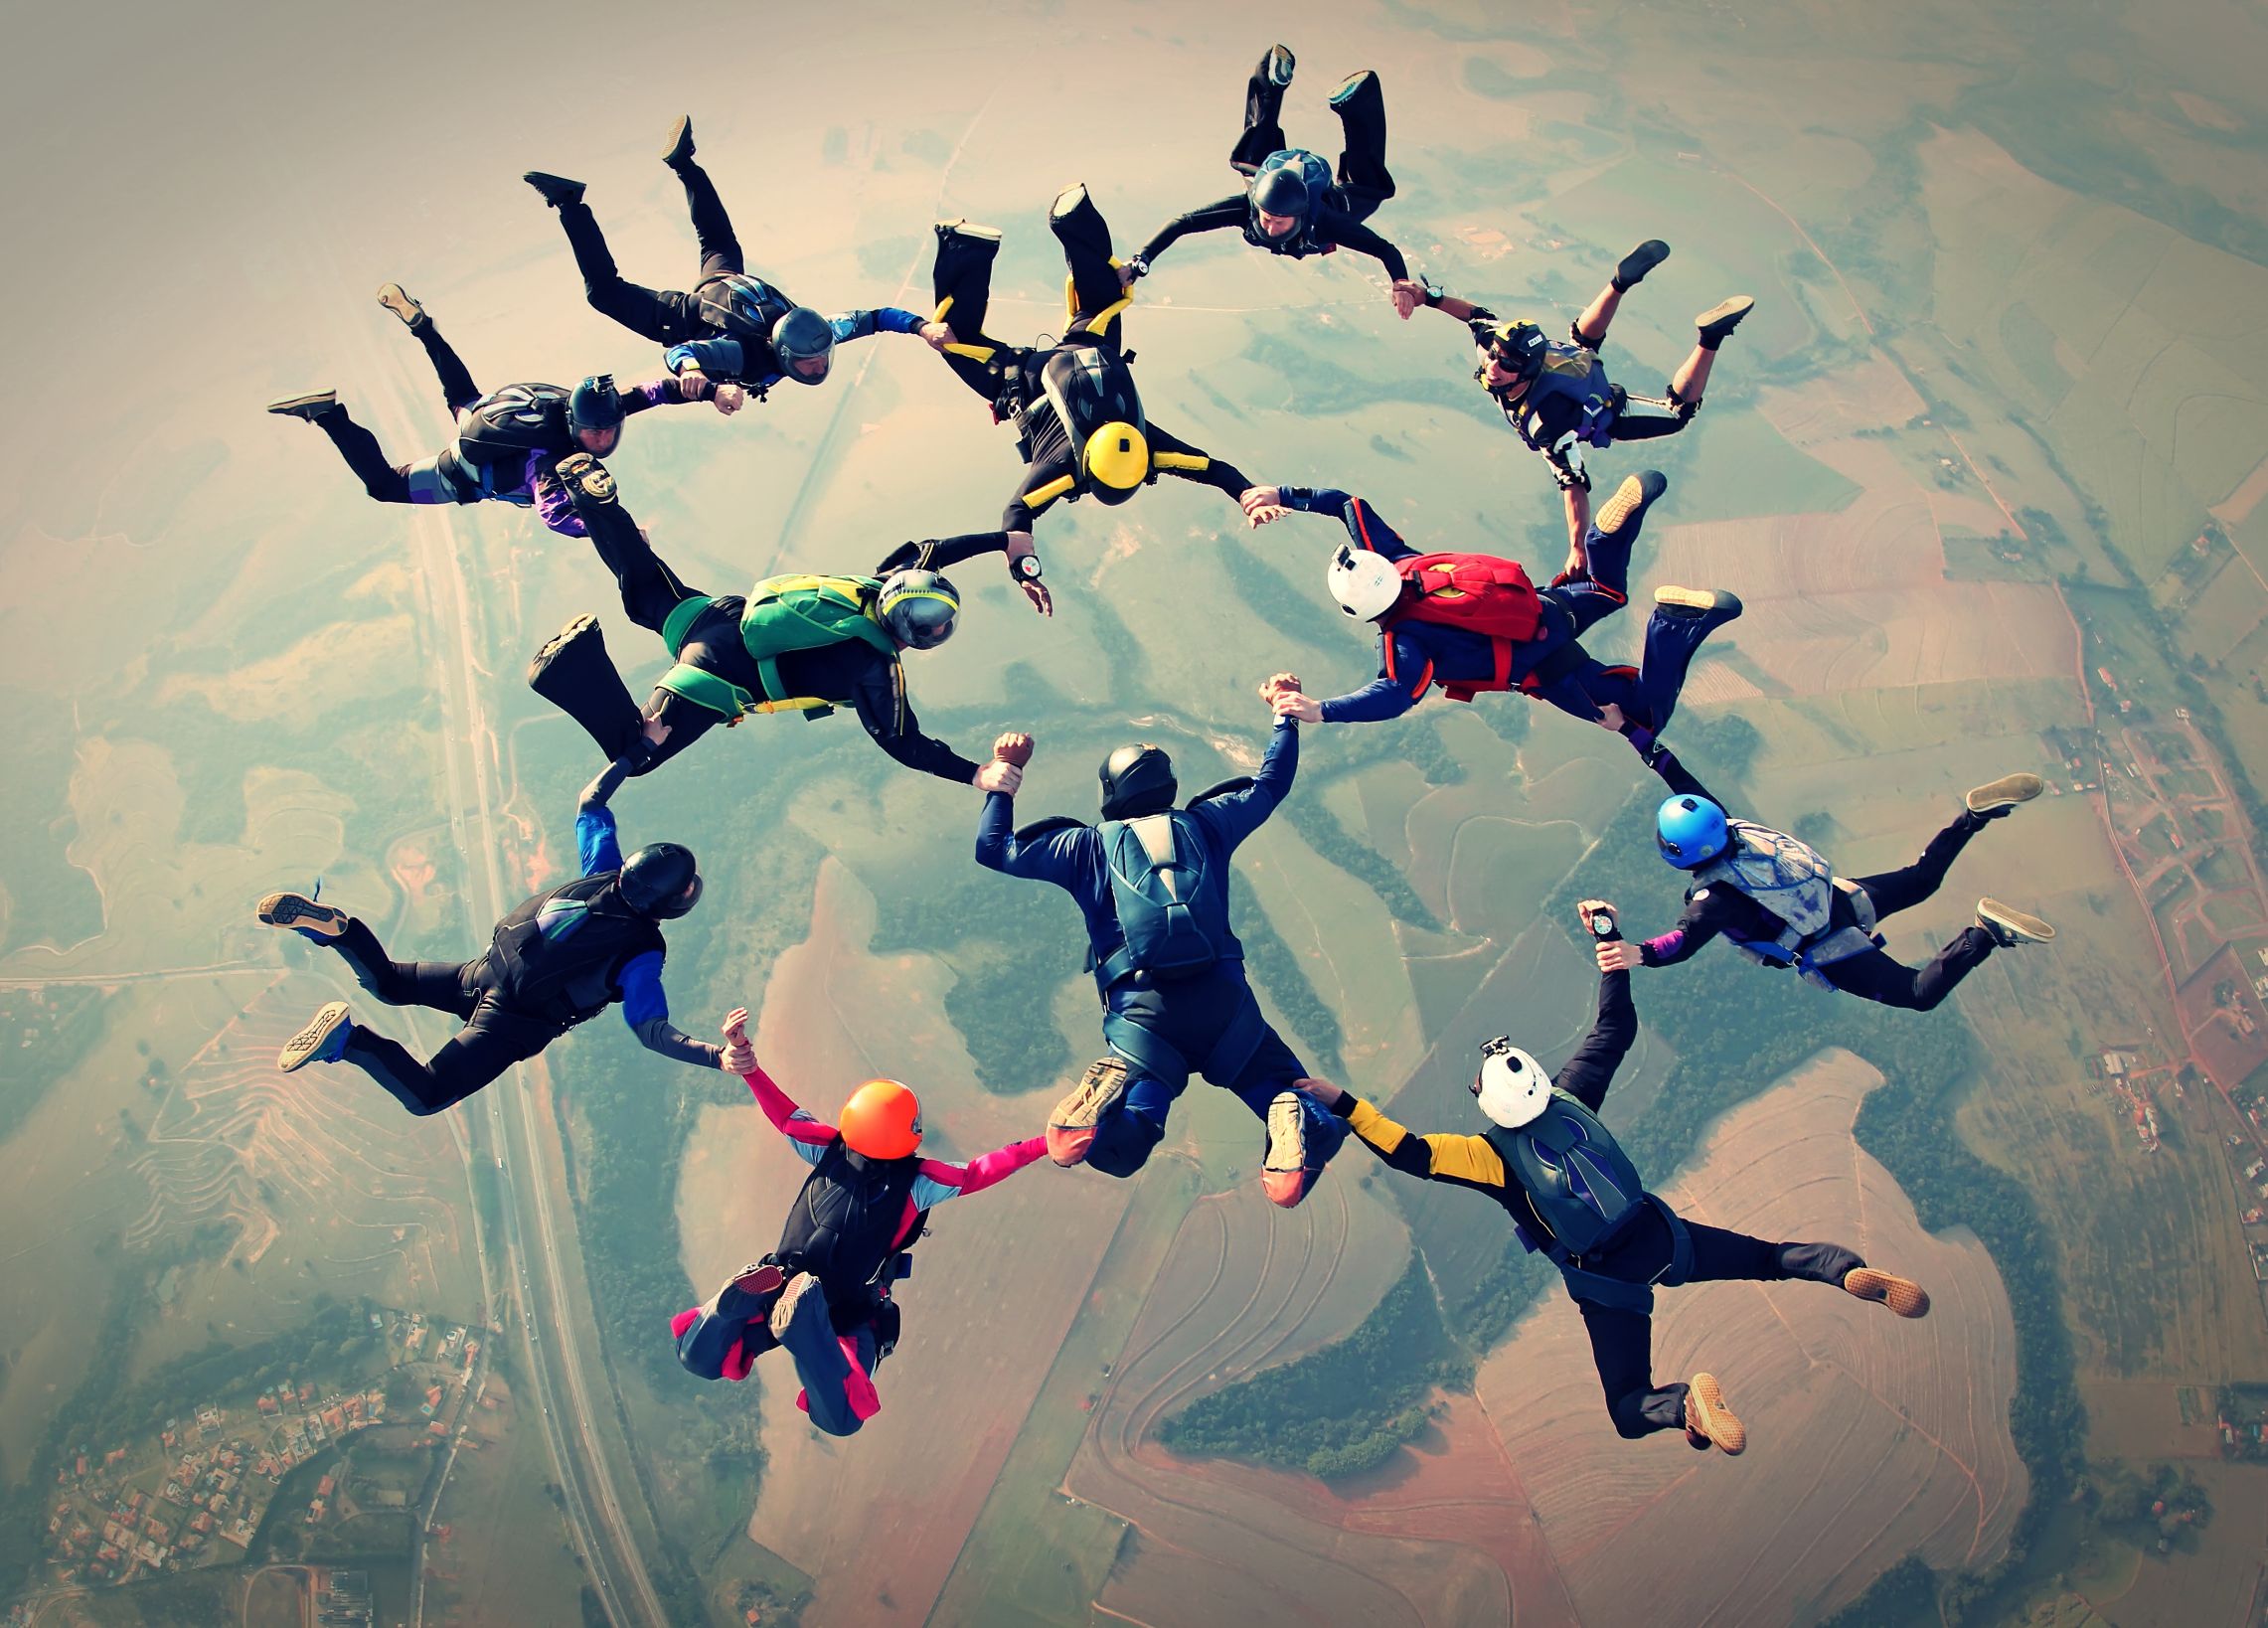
<point>1690,831</point>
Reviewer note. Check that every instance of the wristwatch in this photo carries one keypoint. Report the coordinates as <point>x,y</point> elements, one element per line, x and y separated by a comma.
<point>1433,290</point>
<point>1601,923</point>
<point>1139,267</point>
<point>1025,568</point>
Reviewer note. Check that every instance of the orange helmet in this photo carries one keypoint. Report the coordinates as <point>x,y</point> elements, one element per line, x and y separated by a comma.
<point>883,1120</point>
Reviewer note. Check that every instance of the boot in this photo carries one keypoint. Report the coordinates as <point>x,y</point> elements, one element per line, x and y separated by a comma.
<point>300,914</point>
<point>324,1040</point>
<point>1722,318</point>
<point>1071,1127</point>
<point>1710,1420</point>
<point>679,152</point>
<point>1995,798</point>
<point>402,305</point>
<point>1902,1295</point>
<point>310,407</point>
<point>1630,502</point>
<point>557,189</point>
<point>2010,926</point>
<point>1631,269</point>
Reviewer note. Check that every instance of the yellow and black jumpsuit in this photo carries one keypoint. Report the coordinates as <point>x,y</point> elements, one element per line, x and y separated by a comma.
<point>1014,381</point>
<point>1621,1334</point>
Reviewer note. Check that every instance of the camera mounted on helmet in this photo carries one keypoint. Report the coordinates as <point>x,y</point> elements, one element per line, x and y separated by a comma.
<point>594,405</point>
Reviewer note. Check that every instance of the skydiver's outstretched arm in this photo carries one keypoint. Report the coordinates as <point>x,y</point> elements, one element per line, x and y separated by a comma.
<point>880,699</point>
<point>942,553</point>
<point>1587,1074</point>
<point>1171,455</point>
<point>1227,212</point>
<point>808,1136</point>
<point>1235,815</point>
<point>1459,1161</point>
<point>1674,775</point>
<point>1364,525</point>
<point>940,1179</point>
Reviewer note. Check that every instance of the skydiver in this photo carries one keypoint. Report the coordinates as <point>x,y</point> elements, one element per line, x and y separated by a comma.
<point>824,1292</point>
<point>1779,902</point>
<point>1556,396</point>
<point>506,440</point>
<point>562,956</point>
<point>1575,1195</point>
<point>793,643</point>
<point>1290,204</point>
<point>1474,622</point>
<point>1153,883</point>
<point>732,327</point>
<point>1080,426</point>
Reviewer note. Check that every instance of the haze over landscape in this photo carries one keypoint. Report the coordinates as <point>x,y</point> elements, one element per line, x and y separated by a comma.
<point>1987,465</point>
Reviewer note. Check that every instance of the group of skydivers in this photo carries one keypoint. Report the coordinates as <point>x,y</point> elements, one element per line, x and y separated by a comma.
<point>1152,876</point>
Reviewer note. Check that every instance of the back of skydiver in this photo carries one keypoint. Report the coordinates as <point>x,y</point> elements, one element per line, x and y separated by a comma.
<point>731,327</point>
<point>1777,899</point>
<point>1291,205</point>
<point>1422,607</point>
<point>558,959</point>
<point>507,441</point>
<point>824,1293</point>
<point>1558,398</point>
<point>1575,1195</point>
<point>1080,424</point>
<point>728,665</point>
<point>1152,881</point>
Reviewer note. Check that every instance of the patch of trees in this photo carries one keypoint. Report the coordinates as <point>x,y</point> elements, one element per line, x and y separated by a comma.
<point>47,1033</point>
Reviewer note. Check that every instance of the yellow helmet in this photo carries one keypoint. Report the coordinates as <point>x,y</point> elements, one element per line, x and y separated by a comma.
<point>1116,458</point>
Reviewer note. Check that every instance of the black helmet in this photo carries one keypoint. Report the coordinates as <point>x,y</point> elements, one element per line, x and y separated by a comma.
<point>595,403</point>
<point>1517,347</point>
<point>1281,192</point>
<point>803,335</point>
<point>920,607</point>
<point>660,880</point>
<point>1137,779</point>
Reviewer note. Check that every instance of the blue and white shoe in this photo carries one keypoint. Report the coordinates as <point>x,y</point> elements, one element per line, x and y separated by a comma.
<point>324,1040</point>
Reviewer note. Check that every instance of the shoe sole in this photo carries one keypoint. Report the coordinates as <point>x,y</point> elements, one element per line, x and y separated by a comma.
<point>1634,494</point>
<point>1282,54</point>
<point>679,136</point>
<point>300,913</point>
<point>786,1308</point>
<point>760,1279</point>
<point>1902,1295</point>
<point>1283,1168</point>
<point>1646,258</point>
<point>1348,85</point>
<point>396,299</point>
<point>968,229</point>
<point>2024,924</point>
<point>1070,1128</point>
<point>300,1049</point>
<point>1717,1420</point>
<point>1725,313</point>
<point>563,638</point>
<point>295,406</point>
<point>2005,792</point>
<point>1708,601</point>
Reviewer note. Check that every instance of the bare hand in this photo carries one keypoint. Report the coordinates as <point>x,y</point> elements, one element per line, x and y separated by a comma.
<point>1260,497</point>
<point>730,399</point>
<point>1127,276</point>
<point>1014,747</point>
<point>1265,513</point>
<point>1619,955</point>
<point>1300,708</point>
<point>692,382</point>
<point>740,1056</point>
<point>935,335</point>
<point>656,732</point>
<point>1322,1091</point>
<point>999,776</point>
<point>1276,684</point>
<point>1610,716</point>
<point>1408,295</point>
<point>1042,600</point>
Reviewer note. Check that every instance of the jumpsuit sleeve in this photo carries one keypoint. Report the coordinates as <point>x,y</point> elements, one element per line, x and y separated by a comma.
<point>1405,672</point>
<point>1587,1075</point>
<point>1171,455</point>
<point>883,708</point>
<point>1044,483</point>
<point>1055,855</point>
<point>1701,923</point>
<point>884,319</point>
<point>666,392</point>
<point>1235,815</point>
<point>1348,232</point>
<point>1468,1160</point>
<point>1364,525</point>
<point>805,1134</point>
<point>937,1181</point>
<point>1229,212</point>
<point>1676,776</point>
<point>717,358</point>
<point>595,844</point>
<point>553,505</point>
<point>646,1010</point>
<point>942,552</point>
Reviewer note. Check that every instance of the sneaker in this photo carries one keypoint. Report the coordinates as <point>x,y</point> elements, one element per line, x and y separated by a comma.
<point>586,477</point>
<point>680,150</point>
<point>801,1291</point>
<point>752,1282</point>
<point>1630,502</point>
<point>302,915</point>
<point>1715,605</point>
<point>1348,85</point>
<point>1071,1127</point>
<point>2010,926</point>
<point>402,305</point>
<point>309,407</point>
<point>557,189</point>
<point>1902,1295</point>
<point>324,1040</point>
<point>1631,269</point>
<point>1277,65</point>
<point>1995,798</point>
<point>968,229</point>
<point>1710,1420</point>
<point>1284,1170</point>
<point>1722,318</point>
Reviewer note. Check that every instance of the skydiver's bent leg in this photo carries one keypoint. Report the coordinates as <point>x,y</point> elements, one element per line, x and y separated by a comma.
<point>1080,227</point>
<point>960,281</point>
<point>1125,1135</point>
<point>1613,534</point>
<point>663,316</point>
<point>1875,975</point>
<point>1263,131</point>
<point>651,590</point>
<point>1363,175</point>
<point>801,1323</point>
<point>1636,423</point>
<point>492,1040</point>
<point>685,721</point>
<point>457,388</point>
<point>384,482</point>
<point>1622,1349</point>
<point>712,226</point>
<point>1681,625</point>
<point>1902,890</point>
<point>438,985</point>
<point>723,1338</point>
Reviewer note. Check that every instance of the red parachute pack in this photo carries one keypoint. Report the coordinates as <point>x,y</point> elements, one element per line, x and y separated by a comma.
<point>1480,593</point>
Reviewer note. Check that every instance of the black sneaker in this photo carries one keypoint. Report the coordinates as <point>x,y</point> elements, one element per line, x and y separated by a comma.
<point>557,189</point>
<point>402,305</point>
<point>680,150</point>
<point>1722,318</point>
<point>309,407</point>
<point>1632,269</point>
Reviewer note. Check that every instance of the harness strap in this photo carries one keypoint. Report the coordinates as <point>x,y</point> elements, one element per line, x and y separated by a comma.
<point>681,619</point>
<point>703,688</point>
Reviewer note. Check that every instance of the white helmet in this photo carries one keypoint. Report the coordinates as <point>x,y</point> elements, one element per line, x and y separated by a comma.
<point>1364,584</point>
<point>1511,1086</point>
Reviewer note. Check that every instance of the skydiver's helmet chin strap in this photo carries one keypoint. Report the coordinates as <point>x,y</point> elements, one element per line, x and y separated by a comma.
<point>1511,1088</point>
